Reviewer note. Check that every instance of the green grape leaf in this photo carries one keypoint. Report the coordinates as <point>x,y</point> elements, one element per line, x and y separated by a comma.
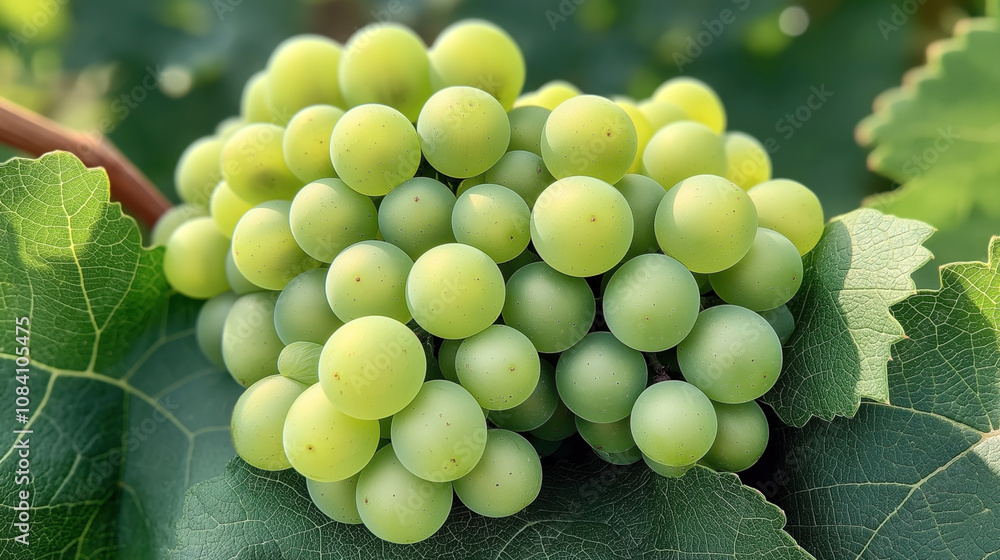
<point>585,511</point>
<point>945,154</point>
<point>843,329</point>
<point>917,476</point>
<point>124,412</point>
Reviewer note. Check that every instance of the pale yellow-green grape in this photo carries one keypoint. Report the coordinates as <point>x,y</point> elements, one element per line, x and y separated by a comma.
<point>553,310</point>
<point>195,261</point>
<point>707,223</point>
<point>643,195</point>
<point>493,219</point>
<point>227,208</point>
<point>499,366</point>
<point>254,167</point>
<point>627,457</point>
<point>254,105</point>
<point>237,282</point>
<point>697,99</point>
<point>600,378</point>
<point>374,149</point>
<point>470,182</point>
<point>441,434</point>
<point>372,367</point>
<point>666,470</point>
<point>610,437</point>
<point>386,63</point>
<point>302,312</point>
<point>198,171</point>
<point>446,358</point>
<point>398,506</point>
<point>747,161</point>
<point>264,249</point>
<point>526,125</point>
<point>299,361</point>
<point>536,410</point>
<point>227,127</point>
<point>416,216</point>
<point>507,478</point>
<point>211,321</point>
<point>742,437</point>
<point>560,426</point>
<point>454,291</point>
<point>552,94</point>
<point>581,226</point>
<point>463,131</point>
<point>477,53</point>
<point>259,418</point>
<point>589,135</point>
<point>302,71</point>
<point>327,216</point>
<point>250,345</point>
<point>338,500</point>
<point>306,144</point>
<point>732,354</point>
<point>781,320</point>
<point>673,423</point>
<point>790,209</point>
<point>661,113</point>
<point>651,303</point>
<point>767,277</point>
<point>323,443</point>
<point>682,150</point>
<point>643,131</point>
<point>523,172</point>
<point>369,278</point>
<point>172,219</point>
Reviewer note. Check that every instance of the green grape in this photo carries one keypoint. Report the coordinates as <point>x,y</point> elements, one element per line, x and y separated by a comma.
<point>732,354</point>
<point>506,480</point>
<point>463,131</point>
<point>337,500</point>
<point>227,127</point>
<point>195,261</point>
<point>227,208</point>
<point>643,131</point>
<point>386,63</point>
<point>468,183</point>
<point>661,113</point>
<point>666,470</point>
<point>553,310</point>
<point>581,226</point>
<point>265,250</point>
<point>441,434</point>
<point>446,358</point>
<point>302,71</point>
<point>600,378</point>
<point>554,93</point>
<point>198,171</point>
<point>454,291</point>
<point>526,125</point>
<point>561,426</point>
<point>707,223</point>
<point>398,506</point>
<point>643,196</point>
<point>237,282</point>
<point>589,135</point>
<point>742,437</point>
<point>416,216</point>
<point>781,320</point>
<point>790,209</point>
<point>254,106</point>
<point>374,149</point>
<point>544,448</point>
<point>299,361</point>
<point>517,263</point>
<point>499,366</point>
<point>536,410</point>
<point>369,278</point>
<point>673,423</point>
<point>259,418</point>
<point>327,216</point>
<point>372,367</point>
<point>323,443</point>
<point>477,53</point>
<point>651,303</point>
<point>302,312</point>
<point>747,161</point>
<point>493,219</point>
<point>250,345</point>
<point>681,150</point>
<point>522,172</point>
<point>767,277</point>
<point>610,437</point>
<point>697,99</point>
<point>254,166</point>
<point>172,219</point>
<point>208,328</point>
<point>306,144</point>
<point>627,457</point>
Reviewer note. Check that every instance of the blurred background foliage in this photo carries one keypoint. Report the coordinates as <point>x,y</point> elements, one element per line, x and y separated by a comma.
<point>801,73</point>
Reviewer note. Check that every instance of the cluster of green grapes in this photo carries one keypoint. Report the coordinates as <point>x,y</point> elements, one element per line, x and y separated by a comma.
<point>404,259</point>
